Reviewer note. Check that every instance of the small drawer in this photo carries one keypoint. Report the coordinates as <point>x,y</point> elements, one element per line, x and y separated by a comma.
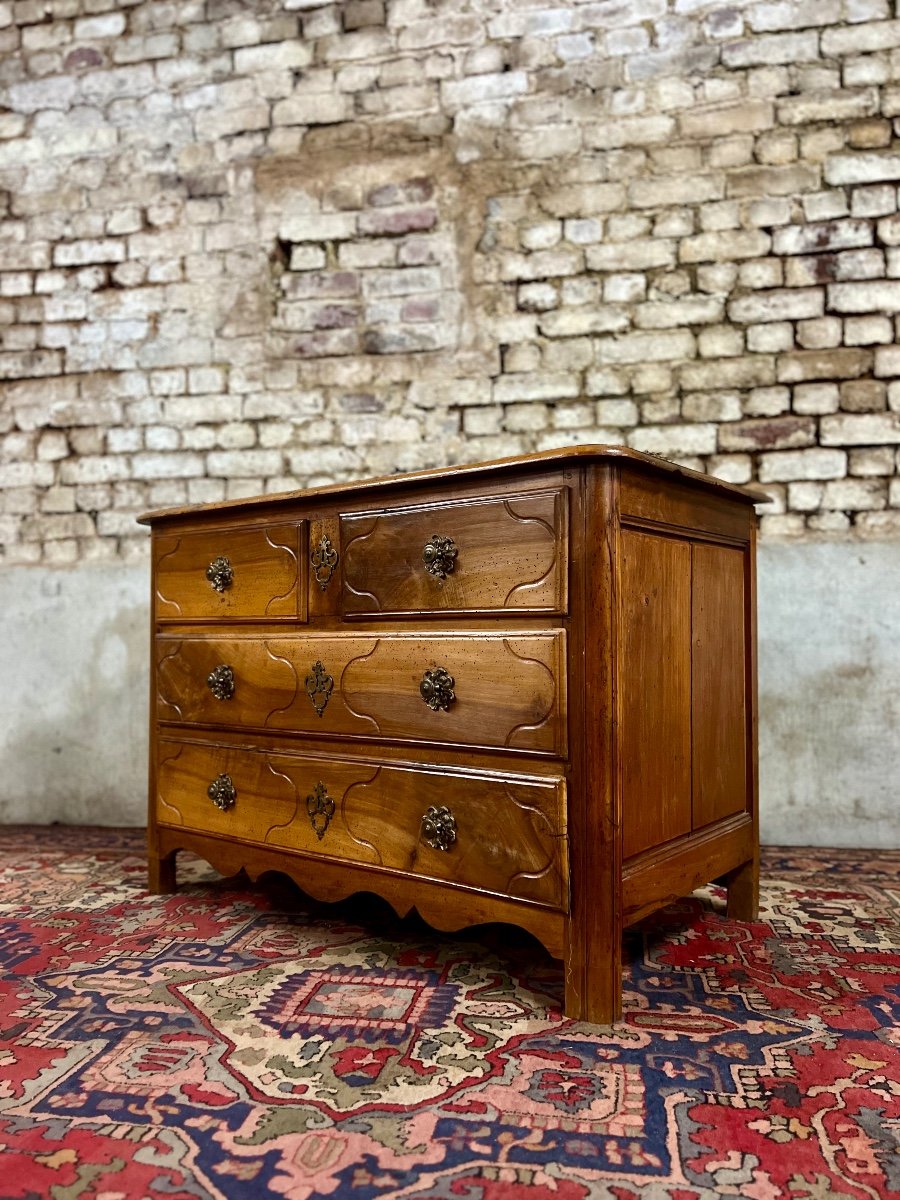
<point>498,690</point>
<point>230,574</point>
<point>490,555</point>
<point>500,834</point>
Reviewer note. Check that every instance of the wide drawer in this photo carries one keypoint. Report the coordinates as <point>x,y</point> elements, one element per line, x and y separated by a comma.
<point>229,574</point>
<point>500,834</point>
<point>503,554</point>
<point>476,689</point>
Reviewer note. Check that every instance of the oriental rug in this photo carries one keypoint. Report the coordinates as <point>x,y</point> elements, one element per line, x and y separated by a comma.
<point>232,1041</point>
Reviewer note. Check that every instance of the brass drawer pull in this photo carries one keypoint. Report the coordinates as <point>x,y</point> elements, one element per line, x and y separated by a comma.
<point>220,682</point>
<point>319,687</point>
<point>439,556</point>
<point>320,807</point>
<point>438,828</point>
<point>323,560</point>
<point>437,689</point>
<point>220,573</point>
<point>222,792</point>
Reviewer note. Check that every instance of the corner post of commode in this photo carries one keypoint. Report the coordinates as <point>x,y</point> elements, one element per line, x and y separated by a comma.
<point>593,969</point>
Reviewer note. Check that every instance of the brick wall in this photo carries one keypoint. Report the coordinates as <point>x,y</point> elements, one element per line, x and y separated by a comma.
<point>249,247</point>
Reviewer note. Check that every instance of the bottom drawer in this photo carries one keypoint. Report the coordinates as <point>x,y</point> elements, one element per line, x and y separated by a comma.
<point>500,834</point>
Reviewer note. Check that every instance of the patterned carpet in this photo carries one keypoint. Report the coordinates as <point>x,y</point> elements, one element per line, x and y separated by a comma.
<point>234,1042</point>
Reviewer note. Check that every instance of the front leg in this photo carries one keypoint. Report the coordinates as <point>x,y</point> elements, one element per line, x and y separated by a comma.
<point>743,891</point>
<point>161,874</point>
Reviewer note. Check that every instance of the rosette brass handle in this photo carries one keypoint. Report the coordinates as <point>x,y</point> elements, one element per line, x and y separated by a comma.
<point>220,573</point>
<point>439,556</point>
<point>222,792</point>
<point>437,689</point>
<point>438,828</point>
<point>220,682</point>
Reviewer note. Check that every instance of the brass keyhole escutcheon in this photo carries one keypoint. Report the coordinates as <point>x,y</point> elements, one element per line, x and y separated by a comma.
<point>438,828</point>
<point>319,686</point>
<point>323,560</point>
<point>220,682</point>
<point>220,573</point>
<point>320,807</point>
<point>439,556</point>
<point>222,792</point>
<point>436,689</point>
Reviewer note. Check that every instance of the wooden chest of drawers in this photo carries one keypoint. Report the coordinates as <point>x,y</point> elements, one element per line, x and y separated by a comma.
<point>521,691</point>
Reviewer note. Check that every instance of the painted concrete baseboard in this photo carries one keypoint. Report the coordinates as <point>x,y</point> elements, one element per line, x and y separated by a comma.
<point>73,702</point>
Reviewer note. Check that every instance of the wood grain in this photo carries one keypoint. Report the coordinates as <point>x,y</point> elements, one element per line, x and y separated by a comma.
<point>510,688</point>
<point>719,715</point>
<point>267,574</point>
<point>510,831</point>
<point>443,906</point>
<point>655,611</point>
<point>511,557</point>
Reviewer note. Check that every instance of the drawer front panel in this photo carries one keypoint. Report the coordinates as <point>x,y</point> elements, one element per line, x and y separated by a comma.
<point>494,690</point>
<point>229,574</point>
<point>495,555</point>
<point>497,834</point>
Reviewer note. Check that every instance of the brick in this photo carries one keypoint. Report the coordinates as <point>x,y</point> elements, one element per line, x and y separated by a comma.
<point>815,463</point>
<point>665,346</point>
<point>538,386</point>
<point>750,116</point>
<point>711,406</point>
<point>674,439</point>
<point>318,227</point>
<point>796,14</point>
<point>855,494</point>
<point>537,297</point>
<point>842,169</point>
<point>876,461</point>
<point>323,108</point>
<point>105,25</point>
<point>707,247</point>
<point>870,429</point>
<point>822,237</point>
<point>773,181</point>
<point>581,200</point>
<point>769,433</point>
<point>816,398</point>
<point>827,106</point>
<point>480,89</point>
<point>789,304</point>
<point>755,370</point>
<point>867,331</point>
<point>542,264</point>
<point>863,395</point>
<point>805,365</point>
<point>820,334</point>
<point>787,48</point>
<point>394,223</point>
<point>687,310</point>
<point>668,191</point>
<point>636,255</point>
<point>829,268</point>
<point>874,296</point>
<point>860,39</point>
<point>78,253</point>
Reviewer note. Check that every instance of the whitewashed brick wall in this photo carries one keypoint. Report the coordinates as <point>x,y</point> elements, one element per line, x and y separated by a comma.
<point>255,246</point>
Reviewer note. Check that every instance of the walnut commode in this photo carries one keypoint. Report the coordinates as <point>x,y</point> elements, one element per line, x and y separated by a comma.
<point>520,691</point>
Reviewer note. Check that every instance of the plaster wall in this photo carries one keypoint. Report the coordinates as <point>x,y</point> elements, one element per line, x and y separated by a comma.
<point>73,707</point>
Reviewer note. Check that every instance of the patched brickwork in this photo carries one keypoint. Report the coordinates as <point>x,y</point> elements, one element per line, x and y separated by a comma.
<point>249,247</point>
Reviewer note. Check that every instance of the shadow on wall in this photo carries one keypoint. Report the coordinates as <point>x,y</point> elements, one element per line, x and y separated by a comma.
<point>73,707</point>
